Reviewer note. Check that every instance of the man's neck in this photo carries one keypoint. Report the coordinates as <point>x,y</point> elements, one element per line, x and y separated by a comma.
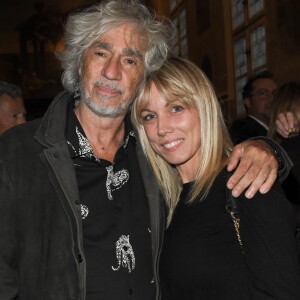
<point>104,134</point>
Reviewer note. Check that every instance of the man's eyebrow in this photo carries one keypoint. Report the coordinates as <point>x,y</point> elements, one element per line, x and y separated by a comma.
<point>132,52</point>
<point>103,45</point>
<point>125,51</point>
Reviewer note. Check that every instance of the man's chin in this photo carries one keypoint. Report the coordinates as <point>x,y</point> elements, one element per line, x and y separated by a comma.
<point>109,112</point>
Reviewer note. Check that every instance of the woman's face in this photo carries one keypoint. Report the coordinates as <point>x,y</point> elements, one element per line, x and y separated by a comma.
<point>297,111</point>
<point>173,130</point>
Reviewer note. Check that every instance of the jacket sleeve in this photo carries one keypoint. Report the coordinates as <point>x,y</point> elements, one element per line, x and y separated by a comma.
<point>8,263</point>
<point>268,226</point>
<point>285,163</point>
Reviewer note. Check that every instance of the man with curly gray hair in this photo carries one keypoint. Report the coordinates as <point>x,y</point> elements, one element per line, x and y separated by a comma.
<point>81,216</point>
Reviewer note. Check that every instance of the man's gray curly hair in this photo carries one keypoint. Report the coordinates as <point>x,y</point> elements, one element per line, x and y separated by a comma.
<point>84,28</point>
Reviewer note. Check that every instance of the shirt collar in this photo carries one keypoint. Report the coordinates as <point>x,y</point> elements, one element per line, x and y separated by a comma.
<point>79,145</point>
<point>259,121</point>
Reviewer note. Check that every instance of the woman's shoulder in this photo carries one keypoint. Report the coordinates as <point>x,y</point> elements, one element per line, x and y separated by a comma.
<point>270,210</point>
<point>267,227</point>
<point>272,205</point>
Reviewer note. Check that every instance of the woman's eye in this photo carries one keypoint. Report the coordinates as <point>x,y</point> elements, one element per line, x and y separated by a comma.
<point>177,108</point>
<point>147,117</point>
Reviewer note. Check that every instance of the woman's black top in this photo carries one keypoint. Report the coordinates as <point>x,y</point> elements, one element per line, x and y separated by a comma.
<point>202,259</point>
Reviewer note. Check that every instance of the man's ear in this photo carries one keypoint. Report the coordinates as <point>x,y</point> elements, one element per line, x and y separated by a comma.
<point>247,102</point>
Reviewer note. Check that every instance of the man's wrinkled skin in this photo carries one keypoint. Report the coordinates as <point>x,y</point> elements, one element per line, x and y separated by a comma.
<point>261,170</point>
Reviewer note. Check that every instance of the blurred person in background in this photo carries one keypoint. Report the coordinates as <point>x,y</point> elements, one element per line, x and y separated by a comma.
<point>284,129</point>
<point>257,95</point>
<point>12,109</point>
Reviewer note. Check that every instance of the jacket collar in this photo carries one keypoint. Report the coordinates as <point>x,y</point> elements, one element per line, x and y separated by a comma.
<point>52,127</point>
<point>54,123</point>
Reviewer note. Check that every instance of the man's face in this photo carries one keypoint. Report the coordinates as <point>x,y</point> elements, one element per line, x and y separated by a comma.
<point>112,70</point>
<point>12,112</point>
<point>260,103</point>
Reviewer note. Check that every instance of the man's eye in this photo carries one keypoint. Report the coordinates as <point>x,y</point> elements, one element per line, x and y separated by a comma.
<point>130,62</point>
<point>177,108</point>
<point>102,54</point>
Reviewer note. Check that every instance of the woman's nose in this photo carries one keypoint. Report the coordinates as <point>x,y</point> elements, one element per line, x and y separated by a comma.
<point>164,126</point>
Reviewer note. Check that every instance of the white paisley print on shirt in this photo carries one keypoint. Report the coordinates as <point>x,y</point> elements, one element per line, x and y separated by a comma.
<point>84,211</point>
<point>114,181</point>
<point>124,254</point>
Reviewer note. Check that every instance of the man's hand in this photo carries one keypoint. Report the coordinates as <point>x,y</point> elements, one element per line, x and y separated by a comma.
<point>256,166</point>
<point>287,124</point>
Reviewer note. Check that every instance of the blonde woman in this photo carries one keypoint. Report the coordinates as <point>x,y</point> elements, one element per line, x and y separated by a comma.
<point>184,137</point>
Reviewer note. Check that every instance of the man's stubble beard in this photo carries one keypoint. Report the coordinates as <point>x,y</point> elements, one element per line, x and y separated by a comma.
<point>100,108</point>
<point>102,105</point>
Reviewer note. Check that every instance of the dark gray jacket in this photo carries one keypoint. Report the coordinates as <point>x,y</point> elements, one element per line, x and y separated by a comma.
<point>41,247</point>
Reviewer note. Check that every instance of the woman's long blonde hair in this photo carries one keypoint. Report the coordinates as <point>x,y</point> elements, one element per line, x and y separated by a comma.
<point>181,80</point>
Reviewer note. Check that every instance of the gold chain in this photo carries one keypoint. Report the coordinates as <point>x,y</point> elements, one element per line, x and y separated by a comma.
<point>236,223</point>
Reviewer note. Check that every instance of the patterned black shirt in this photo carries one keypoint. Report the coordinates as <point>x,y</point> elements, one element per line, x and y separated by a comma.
<point>115,218</point>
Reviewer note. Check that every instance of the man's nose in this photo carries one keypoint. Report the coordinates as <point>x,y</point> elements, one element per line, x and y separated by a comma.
<point>21,119</point>
<point>112,69</point>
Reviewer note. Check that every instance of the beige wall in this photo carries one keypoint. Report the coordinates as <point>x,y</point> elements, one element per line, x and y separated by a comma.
<point>283,43</point>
